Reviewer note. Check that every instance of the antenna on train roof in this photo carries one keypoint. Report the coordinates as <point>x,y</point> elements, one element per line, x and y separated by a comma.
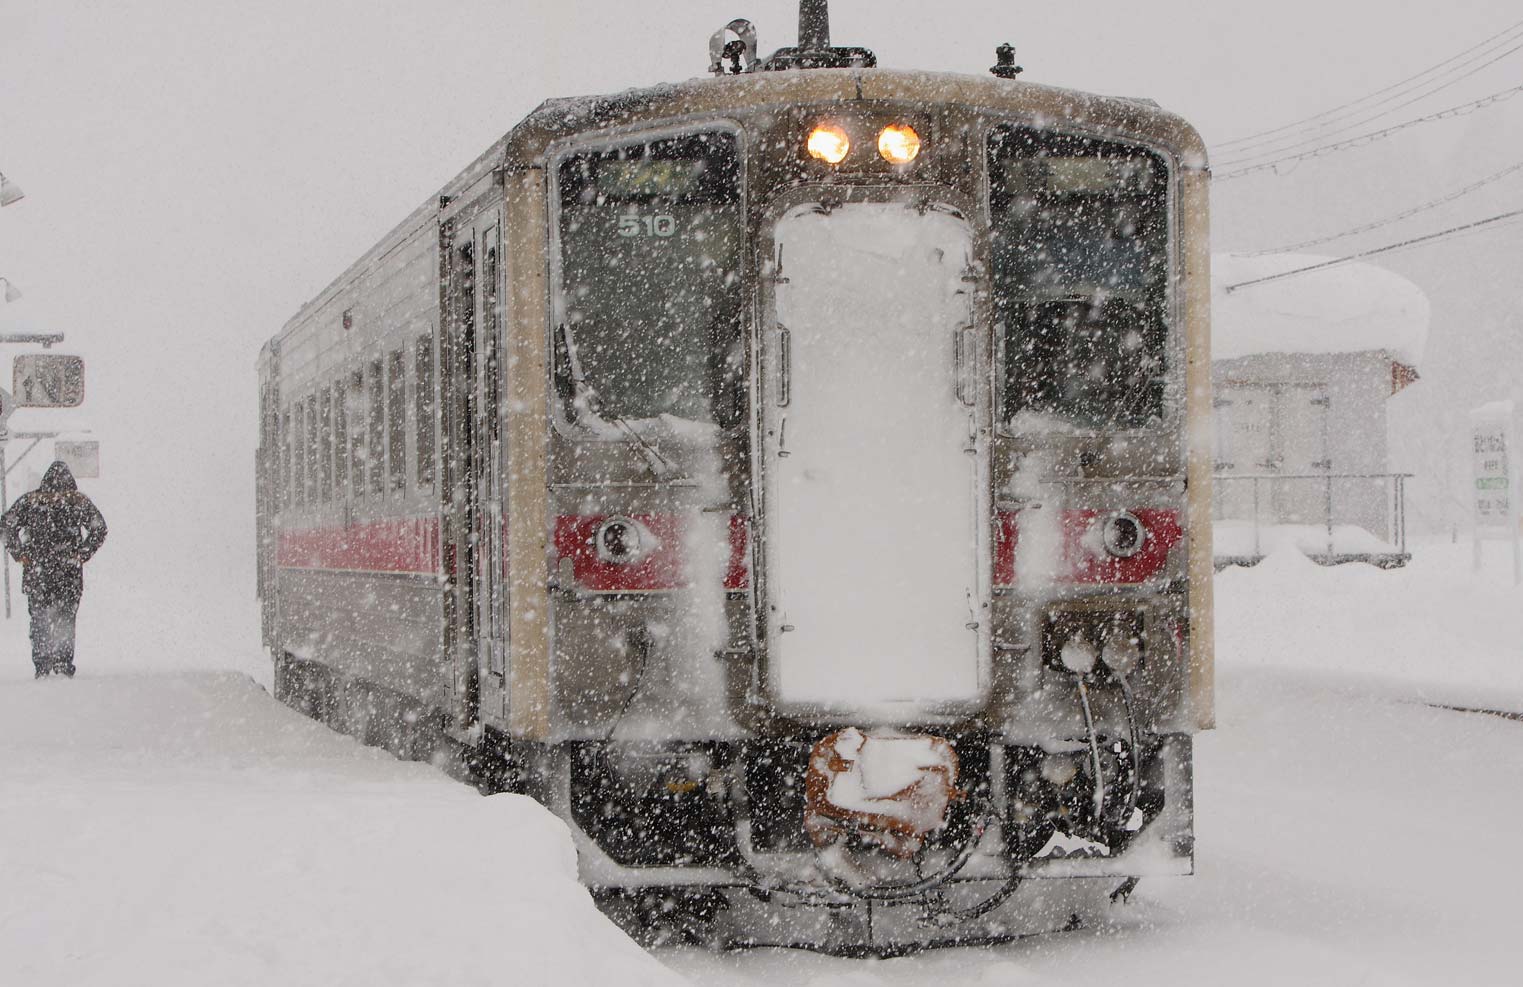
<point>814,50</point>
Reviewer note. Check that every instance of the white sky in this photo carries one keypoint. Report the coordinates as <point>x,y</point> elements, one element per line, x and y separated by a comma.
<point>197,169</point>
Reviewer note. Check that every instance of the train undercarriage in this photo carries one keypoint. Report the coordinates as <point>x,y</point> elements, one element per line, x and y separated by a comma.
<point>717,843</point>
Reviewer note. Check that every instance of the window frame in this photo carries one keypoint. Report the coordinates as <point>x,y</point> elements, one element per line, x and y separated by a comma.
<point>1172,410</point>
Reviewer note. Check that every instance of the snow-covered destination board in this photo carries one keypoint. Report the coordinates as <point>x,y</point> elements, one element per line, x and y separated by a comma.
<point>794,479</point>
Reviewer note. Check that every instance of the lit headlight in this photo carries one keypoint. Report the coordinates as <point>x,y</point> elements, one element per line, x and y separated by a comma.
<point>1123,535</point>
<point>829,143</point>
<point>899,144</point>
<point>622,540</point>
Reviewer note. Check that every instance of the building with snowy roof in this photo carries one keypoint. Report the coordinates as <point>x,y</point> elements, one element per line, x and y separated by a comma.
<point>1302,368</point>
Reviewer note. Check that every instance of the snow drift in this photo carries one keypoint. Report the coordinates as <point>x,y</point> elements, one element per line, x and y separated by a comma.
<point>186,829</point>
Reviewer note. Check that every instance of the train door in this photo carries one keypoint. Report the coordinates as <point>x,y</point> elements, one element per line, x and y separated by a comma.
<point>473,541</point>
<point>488,522</point>
<point>875,551</point>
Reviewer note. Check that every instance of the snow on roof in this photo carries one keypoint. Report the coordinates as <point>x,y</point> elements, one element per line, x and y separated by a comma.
<point>1495,411</point>
<point>1350,308</point>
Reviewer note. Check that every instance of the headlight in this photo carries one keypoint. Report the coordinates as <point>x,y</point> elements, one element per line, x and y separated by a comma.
<point>1122,651</point>
<point>1078,655</point>
<point>829,143</point>
<point>1123,535</point>
<point>622,540</point>
<point>899,144</point>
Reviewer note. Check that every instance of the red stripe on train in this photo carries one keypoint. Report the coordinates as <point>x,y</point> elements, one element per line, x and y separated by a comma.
<point>664,568</point>
<point>1083,560</point>
<point>385,545</point>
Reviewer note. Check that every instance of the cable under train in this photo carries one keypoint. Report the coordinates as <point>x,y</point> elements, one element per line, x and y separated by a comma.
<point>797,480</point>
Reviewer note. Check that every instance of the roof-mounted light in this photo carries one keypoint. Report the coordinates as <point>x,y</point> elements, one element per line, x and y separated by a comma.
<point>829,143</point>
<point>899,144</point>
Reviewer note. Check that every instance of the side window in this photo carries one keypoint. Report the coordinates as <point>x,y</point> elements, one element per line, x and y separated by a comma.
<point>325,442</point>
<point>425,404</point>
<point>298,458</point>
<point>396,418</point>
<point>312,449</point>
<point>376,447</point>
<point>285,457</point>
<point>340,441</point>
<point>354,405</point>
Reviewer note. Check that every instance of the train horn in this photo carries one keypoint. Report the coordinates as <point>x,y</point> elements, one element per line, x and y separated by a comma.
<point>814,25</point>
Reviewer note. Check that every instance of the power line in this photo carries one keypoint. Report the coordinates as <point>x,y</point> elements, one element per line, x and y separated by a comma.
<point>1271,148</point>
<point>1395,85</point>
<point>1388,220</point>
<point>1454,111</point>
<point>1378,250</point>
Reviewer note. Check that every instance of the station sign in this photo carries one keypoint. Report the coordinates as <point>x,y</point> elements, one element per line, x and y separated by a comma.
<point>81,456</point>
<point>48,380</point>
<point>1494,496</point>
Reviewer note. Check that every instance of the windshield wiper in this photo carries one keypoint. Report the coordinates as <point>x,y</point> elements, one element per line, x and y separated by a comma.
<point>587,395</point>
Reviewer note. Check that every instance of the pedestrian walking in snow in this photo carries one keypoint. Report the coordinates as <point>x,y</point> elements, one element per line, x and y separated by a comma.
<point>53,531</point>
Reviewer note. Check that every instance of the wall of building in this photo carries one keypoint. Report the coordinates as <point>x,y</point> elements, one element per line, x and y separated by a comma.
<point>1282,394</point>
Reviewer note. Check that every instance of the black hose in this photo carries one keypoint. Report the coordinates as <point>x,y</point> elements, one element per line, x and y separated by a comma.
<point>1094,747</point>
<point>639,641</point>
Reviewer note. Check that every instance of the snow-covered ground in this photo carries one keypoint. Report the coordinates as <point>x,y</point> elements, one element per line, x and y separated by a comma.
<point>183,828</point>
<point>179,827</point>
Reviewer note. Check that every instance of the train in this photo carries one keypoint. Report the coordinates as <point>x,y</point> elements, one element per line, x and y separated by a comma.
<point>796,479</point>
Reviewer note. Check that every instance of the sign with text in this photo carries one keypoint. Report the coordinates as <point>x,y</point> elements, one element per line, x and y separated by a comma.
<point>1494,507</point>
<point>82,457</point>
<point>48,380</point>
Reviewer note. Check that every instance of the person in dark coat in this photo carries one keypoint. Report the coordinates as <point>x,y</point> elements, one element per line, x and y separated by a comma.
<point>53,531</point>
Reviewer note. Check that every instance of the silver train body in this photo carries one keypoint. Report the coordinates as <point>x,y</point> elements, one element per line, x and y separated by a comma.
<point>658,450</point>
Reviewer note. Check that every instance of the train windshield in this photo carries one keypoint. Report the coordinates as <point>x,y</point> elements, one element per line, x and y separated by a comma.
<point>650,244</point>
<point>1080,259</point>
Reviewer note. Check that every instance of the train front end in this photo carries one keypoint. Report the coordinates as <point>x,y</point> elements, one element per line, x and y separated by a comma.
<point>878,502</point>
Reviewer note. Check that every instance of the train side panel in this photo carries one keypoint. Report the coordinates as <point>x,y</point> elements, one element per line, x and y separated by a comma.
<point>354,544</point>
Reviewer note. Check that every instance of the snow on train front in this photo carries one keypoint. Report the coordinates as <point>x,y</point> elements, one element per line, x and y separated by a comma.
<point>875,542</point>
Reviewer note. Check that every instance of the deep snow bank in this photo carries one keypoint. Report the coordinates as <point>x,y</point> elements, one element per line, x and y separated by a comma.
<point>186,829</point>
<point>1437,630</point>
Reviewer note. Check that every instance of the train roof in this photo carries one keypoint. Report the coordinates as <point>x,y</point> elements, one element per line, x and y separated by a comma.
<point>556,120</point>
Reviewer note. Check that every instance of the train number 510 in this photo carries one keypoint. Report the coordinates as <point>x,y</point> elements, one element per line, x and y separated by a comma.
<point>662,226</point>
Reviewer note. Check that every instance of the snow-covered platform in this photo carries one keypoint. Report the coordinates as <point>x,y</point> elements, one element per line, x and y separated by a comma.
<point>187,829</point>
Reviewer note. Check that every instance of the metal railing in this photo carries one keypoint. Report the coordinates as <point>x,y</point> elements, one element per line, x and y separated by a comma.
<point>1268,504</point>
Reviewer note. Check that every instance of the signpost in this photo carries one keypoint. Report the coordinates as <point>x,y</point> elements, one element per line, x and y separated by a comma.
<point>7,406</point>
<point>1495,472</point>
<point>81,456</point>
<point>48,380</point>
